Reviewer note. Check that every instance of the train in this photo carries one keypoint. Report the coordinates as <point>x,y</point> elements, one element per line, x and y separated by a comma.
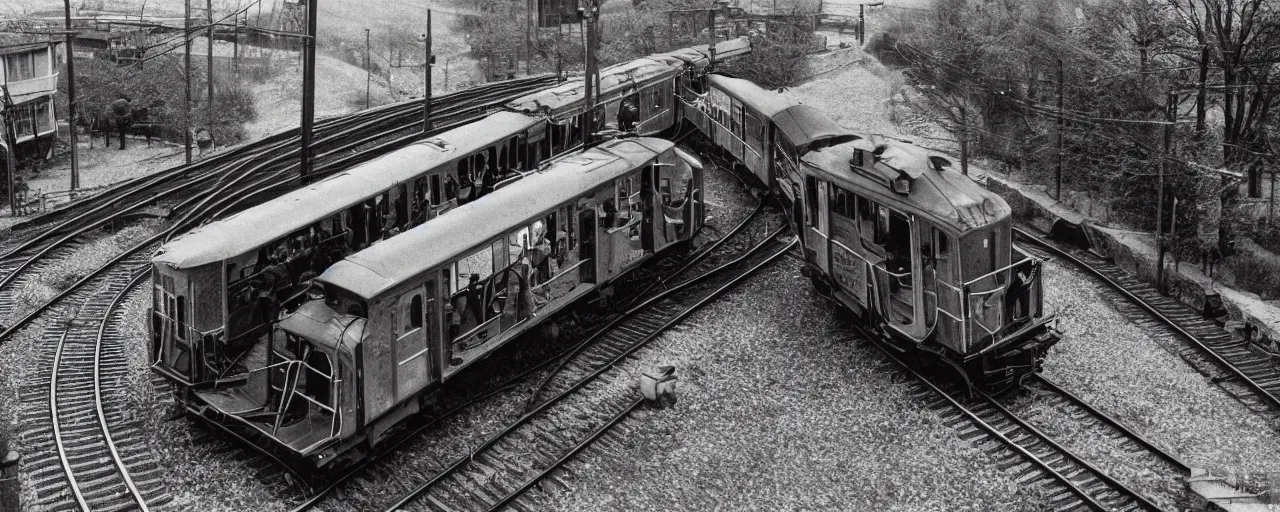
<point>383,329</point>
<point>394,283</point>
<point>223,286</point>
<point>921,255</point>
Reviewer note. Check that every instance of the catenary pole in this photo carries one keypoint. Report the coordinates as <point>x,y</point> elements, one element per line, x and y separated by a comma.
<point>186,60</point>
<point>308,91</point>
<point>71,95</point>
<point>426,97</point>
<point>368,72</point>
<point>209,79</point>
<point>1170,112</point>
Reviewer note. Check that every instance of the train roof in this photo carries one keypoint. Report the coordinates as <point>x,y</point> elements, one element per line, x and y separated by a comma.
<point>938,191</point>
<point>700,55</point>
<point>262,224</point>
<point>569,95</point>
<point>386,264</point>
<point>804,125</point>
<point>761,100</point>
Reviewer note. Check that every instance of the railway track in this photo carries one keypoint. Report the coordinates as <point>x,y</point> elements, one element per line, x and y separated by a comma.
<point>1247,376</point>
<point>1067,480</point>
<point>87,456</point>
<point>504,470</point>
<point>375,475</point>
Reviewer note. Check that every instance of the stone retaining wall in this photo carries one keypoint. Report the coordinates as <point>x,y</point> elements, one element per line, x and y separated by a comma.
<point>1135,253</point>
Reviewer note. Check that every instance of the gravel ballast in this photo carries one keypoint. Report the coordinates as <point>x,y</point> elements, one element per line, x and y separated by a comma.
<point>1122,370</point>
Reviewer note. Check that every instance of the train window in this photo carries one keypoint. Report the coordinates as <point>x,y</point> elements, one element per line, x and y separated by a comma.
<point>410,313</point>
<point>736,121</point>
<point>811,200</point>
<point>478,264</point>
<point>664,189</point>
<point>572,221</point>
<point>659,96</point>
<point>182,315</point>
<point>516,244</point>
<point>344,302</point>
<point>753,131</point>
<point>435,189</point>
<point>867,225</point>
<point>402,204</point>
<point>841,202</point>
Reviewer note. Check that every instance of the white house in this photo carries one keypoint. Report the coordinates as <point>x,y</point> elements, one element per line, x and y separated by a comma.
<point>29,77</point>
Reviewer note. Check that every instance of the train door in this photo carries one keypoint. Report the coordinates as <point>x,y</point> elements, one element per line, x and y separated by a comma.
<point>943,301</point>
<point>172,345</point>
<point>848,269</point>
<point>816,235</point>
<point>415,335</point>
<point>898,273</point>
<point>587,228</point>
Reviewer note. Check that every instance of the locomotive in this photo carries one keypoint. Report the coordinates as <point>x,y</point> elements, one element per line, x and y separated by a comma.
<point>383,329</point>
<point>920,254</point>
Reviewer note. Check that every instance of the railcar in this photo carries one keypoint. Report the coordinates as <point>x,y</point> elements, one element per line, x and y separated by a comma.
<point>223,284</point>
<point>652,84</point>
<point>388,326</point>
<point>918,252</point>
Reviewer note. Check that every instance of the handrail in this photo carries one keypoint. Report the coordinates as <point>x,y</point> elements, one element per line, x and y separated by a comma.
<point>997,271</point>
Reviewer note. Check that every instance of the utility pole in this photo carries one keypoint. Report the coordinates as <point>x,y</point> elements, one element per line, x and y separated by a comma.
<point>1171,110</point>
<point>308,91</point>
<point>1057,172</point>
<point>235,43</point>
<point>528,36</point>
<point>862,23</point>
<point>209,79</point>
<point>186,59</point>
<point>428,60</point>
<point>71,95</point>
<point>368,71</point>
<point>589,31</point>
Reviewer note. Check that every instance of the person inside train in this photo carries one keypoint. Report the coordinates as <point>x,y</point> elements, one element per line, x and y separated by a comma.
<point>628,114</point>
<point>450,187</point>
<point>473,314</point>
<point>540,254</point>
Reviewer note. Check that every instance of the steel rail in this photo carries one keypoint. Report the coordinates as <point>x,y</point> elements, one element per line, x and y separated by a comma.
<point>1114,423</point>
<point>1239,374</point>
<point>97,393</point>
<point>462,461</point>
<point>59,441</point>
<point>991,430</point>
<point>596,434</point>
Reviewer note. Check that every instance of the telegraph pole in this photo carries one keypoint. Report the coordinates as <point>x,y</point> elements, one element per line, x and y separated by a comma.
<point>209,79</point>
<point>368,73</point>
<point>1057,172</point>
<point>186,59</point>
<point>308,91</point>
<point>528,32</point>
<point>71,95</point>
<point>1170,112</point>
<point>589,31</point>
<point>428,60</point>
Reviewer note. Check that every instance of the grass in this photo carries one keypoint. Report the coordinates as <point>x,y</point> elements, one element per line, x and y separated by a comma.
<point>1254,273</point>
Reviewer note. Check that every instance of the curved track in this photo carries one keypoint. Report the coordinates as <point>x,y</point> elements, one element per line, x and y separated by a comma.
<point>91,458</point>
<point>504,469</point>
<point>1248,376</point>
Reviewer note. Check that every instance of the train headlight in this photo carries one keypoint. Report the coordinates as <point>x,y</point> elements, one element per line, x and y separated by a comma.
<point>989,206</point>
<point>902,186</point>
